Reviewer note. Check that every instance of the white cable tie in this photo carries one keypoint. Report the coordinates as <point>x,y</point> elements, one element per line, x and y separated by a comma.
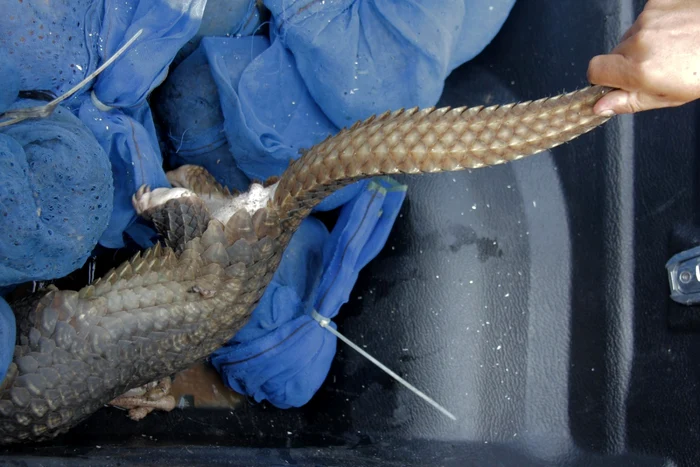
<point>324,323</point>
<point>99,105</point>
<point>17,115</point>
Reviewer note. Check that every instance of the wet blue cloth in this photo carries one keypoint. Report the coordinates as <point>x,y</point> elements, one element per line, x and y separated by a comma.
<point>283,355</point>
<point>8,334</point>
<point>323,66</point>
<point>54,45</point>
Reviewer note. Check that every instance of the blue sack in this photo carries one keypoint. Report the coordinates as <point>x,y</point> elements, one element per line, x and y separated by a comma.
<point>283,355</point>
<point>238,107</point>
<point>362,57</point>
<point>55,196</point>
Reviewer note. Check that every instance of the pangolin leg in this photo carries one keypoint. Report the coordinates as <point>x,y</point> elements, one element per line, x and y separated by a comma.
<point>178,214</point>
<point>147,398</point>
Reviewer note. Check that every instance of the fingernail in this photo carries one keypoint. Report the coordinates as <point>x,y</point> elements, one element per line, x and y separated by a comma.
<point>606,113</point>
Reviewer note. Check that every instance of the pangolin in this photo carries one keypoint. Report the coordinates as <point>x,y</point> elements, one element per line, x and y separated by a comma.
<point>177,302</point>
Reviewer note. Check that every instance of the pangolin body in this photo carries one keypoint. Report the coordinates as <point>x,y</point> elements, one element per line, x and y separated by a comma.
<point>176,303</point>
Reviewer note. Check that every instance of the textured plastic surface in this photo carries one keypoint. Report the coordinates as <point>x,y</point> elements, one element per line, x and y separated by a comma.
<point>576,366</point>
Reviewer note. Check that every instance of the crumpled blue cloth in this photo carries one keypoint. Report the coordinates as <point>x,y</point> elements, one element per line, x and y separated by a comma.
<point>283,355</point>
<point>361,57</point>
<point>238,107</point>
<point>262,99</point>
<point>54,45</point>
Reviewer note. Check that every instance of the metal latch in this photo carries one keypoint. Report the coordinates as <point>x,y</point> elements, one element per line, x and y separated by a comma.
<point>684,276</point>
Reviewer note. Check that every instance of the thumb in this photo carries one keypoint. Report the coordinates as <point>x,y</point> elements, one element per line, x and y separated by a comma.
<point>626,102</point>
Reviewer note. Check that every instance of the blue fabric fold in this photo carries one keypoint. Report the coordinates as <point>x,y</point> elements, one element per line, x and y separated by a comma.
<point>283,355</point>
<point>8,336</point>
<point>263,117</point>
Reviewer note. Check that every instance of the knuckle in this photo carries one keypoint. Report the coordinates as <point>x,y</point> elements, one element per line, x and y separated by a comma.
<point>648,73</point>
<point>647,18</point>
<point>642,39</point>
<point>635,106</point>
<point>643,19</point>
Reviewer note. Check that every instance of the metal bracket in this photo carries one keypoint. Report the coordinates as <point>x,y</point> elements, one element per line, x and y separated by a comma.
<point>684,276</point>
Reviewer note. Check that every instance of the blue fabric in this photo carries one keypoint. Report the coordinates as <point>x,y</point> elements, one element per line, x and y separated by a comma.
<point>263,117</point>
<point>229,18</point>
<point>55,196</point>
<point>8,335</point>
<point>10,86</point>
<point>361,57</point>
<point>282,355</point>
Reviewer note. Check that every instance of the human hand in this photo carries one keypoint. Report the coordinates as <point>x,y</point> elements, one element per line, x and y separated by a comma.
<point>656,64</point>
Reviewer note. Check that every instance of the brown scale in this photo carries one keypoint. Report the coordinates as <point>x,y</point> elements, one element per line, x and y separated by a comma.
<point>173,305</point>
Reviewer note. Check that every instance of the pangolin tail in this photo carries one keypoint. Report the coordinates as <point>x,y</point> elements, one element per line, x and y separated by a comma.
<point>433,140</point>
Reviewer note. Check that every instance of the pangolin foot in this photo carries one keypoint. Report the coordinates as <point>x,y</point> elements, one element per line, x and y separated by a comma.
<point>144,400</point>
